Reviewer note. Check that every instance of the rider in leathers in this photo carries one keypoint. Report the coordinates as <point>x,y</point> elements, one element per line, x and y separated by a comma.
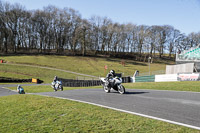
<point>110,77</point>
<point>54,80</point>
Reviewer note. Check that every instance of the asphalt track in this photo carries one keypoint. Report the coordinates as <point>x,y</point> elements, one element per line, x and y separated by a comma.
<point>5,92</point>
<point>182,108</point>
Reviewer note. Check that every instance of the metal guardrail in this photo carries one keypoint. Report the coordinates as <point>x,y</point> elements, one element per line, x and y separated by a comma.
<point>79,83</point>
<point>126,79</point>
<point>12,80</point>
<point>86,83</point>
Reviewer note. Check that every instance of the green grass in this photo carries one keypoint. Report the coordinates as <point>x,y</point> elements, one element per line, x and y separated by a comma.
<point>176,86</point>
<point>31,113</point>
<point>47,88</point>
<point>25,72</point>
<point>87,65</point>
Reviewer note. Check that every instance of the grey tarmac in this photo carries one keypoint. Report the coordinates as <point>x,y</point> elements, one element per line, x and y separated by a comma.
<point>5,92</point>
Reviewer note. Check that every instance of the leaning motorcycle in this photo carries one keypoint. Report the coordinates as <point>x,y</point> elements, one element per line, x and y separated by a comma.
<point>21,90</point>
<point>57,85</point>
<point>115,84</point>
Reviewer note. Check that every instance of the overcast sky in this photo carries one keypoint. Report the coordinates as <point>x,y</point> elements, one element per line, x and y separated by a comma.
<point>184,15</point>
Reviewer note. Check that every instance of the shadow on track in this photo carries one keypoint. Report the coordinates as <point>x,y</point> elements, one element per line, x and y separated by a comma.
<point>128,93</point>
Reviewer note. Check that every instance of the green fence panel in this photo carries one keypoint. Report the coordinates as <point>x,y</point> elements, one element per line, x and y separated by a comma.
<point>145,78</point>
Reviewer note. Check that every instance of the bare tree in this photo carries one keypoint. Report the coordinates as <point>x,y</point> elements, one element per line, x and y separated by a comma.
<point>74,21</point>
<point>63,30</point>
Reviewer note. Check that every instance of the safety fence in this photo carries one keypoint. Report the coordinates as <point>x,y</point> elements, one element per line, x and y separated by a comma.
<point>145,78</point>
<point>126,80</point>
<point>168,77</point>
<point>79,83</point>
<point>13,80</point>
<point>65,82</point>
<point>87,83</point>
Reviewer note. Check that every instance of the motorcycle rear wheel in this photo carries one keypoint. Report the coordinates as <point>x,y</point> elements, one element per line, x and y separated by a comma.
<point>61,88</point>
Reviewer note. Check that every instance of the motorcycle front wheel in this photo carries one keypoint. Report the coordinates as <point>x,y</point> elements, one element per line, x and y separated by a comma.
<point>121,89</point>
<point>106,89</point>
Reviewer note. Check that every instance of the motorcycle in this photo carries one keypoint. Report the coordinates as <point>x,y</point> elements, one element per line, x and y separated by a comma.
<point>114,83</point>
<point>57,85</point>
<point>20,90</point>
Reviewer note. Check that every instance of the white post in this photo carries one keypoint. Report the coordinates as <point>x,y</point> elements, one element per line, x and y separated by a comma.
<point>149,61</point>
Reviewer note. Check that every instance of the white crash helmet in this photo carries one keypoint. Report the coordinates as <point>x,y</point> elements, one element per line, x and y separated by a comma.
<point>112,72</point>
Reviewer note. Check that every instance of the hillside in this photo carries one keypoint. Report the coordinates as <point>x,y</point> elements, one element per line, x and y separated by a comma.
<point>85,65</point>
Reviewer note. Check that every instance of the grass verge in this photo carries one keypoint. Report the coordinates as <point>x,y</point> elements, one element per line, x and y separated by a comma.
<point>176,86</point>
<point>31,113</point>
<point>47,88</point>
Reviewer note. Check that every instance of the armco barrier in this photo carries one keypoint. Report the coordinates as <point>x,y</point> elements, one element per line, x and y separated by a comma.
<point>12,80</point>
<point>79,83</point>
<point>86,83</point>
<point>126,79</point>
<point>145,78</point>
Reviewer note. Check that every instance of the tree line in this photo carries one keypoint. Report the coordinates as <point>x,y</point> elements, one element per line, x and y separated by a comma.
<point>65,31</point>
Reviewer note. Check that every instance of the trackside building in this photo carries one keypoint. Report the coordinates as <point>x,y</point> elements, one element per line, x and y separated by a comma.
<point>190,56</point>
<point>187,68</point>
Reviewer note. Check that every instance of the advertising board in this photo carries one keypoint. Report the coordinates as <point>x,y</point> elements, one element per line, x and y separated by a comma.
<point>166,78</point>
<point>188,77</point>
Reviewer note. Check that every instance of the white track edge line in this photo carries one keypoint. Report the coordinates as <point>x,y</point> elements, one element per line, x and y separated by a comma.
<point>125,111</point>
<point>9,89</point>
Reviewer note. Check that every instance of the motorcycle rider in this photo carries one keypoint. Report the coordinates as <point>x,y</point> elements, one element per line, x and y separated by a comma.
<point>54,80</point>
<point>109,78</point>
<point>20,90</point>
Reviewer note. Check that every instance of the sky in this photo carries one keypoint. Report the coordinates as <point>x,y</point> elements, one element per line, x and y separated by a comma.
<point>183,15</point>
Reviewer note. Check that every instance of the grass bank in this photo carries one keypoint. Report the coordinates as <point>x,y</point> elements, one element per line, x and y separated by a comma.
<point>30,113</point>
<point>25,72</point>
<point>87,65</point>
<point>176,86</point>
